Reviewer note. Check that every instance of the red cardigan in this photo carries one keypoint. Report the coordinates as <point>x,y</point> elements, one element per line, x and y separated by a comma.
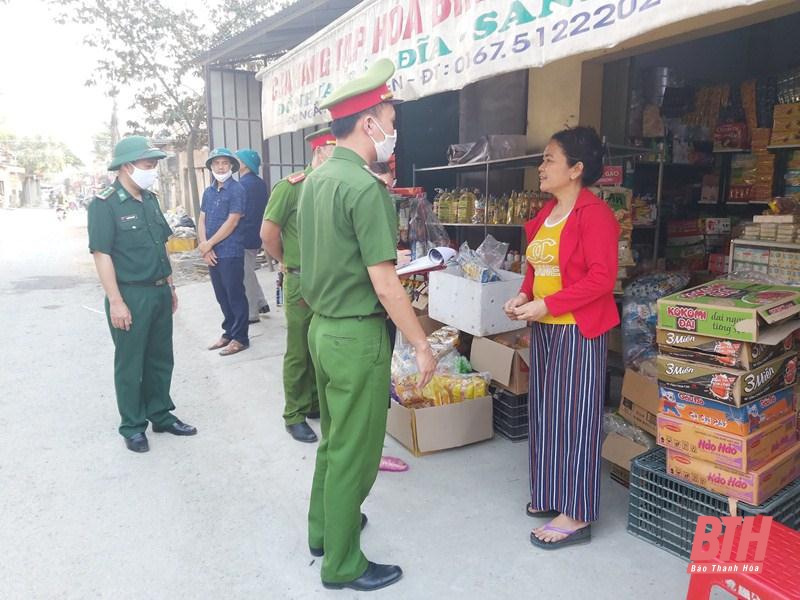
<point>587,256</point>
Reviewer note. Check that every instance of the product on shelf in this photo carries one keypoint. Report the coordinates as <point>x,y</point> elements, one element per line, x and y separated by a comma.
<point>765,165</point>
<point>465,207</point>
<point>786,125</point>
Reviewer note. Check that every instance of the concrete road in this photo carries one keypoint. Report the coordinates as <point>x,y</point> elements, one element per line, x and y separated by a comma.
<point>222,514</point>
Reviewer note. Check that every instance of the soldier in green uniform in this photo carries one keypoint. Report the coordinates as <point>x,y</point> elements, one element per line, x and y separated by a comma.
<point>127,237</point>
<point>348,230</point>
<point>279,235</point>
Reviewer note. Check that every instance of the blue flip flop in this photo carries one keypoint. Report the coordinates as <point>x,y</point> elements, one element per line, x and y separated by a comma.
<point>574,536</point>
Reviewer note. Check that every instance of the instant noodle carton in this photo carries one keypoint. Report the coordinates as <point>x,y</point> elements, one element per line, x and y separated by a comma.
<point>735,452</point>
<point>733,310</point>
<point>739,420</point>
<point>754,487</point>
<point>726,353</point>
<point>731,386</point>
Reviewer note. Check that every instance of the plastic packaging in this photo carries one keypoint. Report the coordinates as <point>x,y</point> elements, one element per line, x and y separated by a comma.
<point>640,314</point>
<point>425,231</point>
<point>474,267</point>
<point>613,423</point>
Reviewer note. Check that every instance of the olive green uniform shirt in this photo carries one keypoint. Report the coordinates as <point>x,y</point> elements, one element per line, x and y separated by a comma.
<point>347,223</point>
<point>133,233</point>
<point>282,210</point>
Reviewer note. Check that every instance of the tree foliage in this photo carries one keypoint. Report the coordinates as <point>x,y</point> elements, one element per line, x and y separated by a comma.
<point>39,156</point>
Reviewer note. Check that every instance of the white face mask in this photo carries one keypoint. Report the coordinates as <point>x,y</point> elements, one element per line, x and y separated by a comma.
<point>144,178</point>
<point>224,177</point>
<point>385,147</point>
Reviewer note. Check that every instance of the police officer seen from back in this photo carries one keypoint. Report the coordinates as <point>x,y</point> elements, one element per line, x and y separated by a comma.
<point>127,237</point>
<point>348,231</point>
<point>279,233</point>
<point>222,248</point>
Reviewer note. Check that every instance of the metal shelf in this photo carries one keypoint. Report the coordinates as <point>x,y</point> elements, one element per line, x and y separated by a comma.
<point>482,225</point>
<point>732,151</point>
<point>765,244</point>
<point>514,162</point>
<point>784,147</point>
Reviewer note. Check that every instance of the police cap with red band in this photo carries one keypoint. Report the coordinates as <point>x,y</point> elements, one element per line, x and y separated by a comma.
<point>321,137</point>
<point>362,93</point>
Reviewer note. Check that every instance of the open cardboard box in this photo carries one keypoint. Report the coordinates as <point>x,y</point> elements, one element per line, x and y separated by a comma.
<point>639,403</point>
<point>734,310</point>
<point>509,366</point>
<point>620,451</point>
<point>425,430</point>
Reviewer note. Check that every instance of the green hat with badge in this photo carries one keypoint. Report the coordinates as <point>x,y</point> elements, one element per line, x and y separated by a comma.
<point>223,153</point>
<point>363,92</point>
<point>133,148</point>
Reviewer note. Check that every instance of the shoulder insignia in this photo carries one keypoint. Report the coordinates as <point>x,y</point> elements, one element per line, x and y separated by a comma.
<point>296,178</point>
<point>376,176</point>
<point>106,193</point>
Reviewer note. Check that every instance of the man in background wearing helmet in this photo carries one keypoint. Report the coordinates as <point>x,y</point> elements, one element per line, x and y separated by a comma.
<point>127,237</point>
<point>256,194</point>
<point>222,248</point>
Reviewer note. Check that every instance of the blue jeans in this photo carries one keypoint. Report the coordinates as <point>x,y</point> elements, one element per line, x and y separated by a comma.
<point>227,277</point>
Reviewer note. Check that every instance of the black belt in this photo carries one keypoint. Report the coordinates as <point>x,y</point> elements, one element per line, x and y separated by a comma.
<point>156,283</point>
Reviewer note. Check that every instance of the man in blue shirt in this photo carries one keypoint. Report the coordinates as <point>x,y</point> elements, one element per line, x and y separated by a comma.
<point>256,192</point>
<point>222,248</point>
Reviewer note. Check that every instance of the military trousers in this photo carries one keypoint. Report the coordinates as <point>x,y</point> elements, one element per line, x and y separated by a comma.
<point>299,379</point>
<point>252,288</point>
<point>143,359</point>
<point>351,357</point>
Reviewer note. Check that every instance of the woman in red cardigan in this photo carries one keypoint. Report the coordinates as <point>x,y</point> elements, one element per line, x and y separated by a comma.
<point>568,296</point>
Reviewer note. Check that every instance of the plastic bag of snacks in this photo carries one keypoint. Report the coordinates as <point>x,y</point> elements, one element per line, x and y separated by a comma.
<point>442,390</point>
<point>640,314</point>
<point>443,343</point>
<point>473,266</point>
<point>425,231</point>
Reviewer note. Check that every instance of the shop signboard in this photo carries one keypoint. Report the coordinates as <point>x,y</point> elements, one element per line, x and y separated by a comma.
<point>442,45</point>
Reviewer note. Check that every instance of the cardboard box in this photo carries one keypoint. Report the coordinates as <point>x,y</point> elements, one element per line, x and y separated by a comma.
<point>181,245</point>
<point>726,353</point>
<point>425,430</point>
<point>743,420</point>
<point>639,403</point>
<point>755,487</point>
<point>717,226</point>
<point>620,451</point>
<point>473,307</point>
<point>429,325</point>
<point>735,452</point>
<point>499,355</point>
<point>733,386</point>
<point>734,310</point>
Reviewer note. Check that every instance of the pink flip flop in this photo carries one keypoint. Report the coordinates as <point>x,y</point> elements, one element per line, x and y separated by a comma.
<point>390,463</point>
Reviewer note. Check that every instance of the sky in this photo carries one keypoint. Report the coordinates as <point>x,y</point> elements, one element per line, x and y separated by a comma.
<point>44,67</point>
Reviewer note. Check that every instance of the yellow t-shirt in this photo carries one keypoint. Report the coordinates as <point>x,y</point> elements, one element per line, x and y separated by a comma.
<point>542,256</point>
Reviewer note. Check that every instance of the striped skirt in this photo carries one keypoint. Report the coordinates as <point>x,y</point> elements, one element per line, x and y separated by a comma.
<point>565,419</point>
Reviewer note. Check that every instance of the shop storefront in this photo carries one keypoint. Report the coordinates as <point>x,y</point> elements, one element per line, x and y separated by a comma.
<point>699,103</point>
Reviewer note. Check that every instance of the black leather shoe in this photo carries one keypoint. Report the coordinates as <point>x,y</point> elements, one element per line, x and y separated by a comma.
<point>321,551</point>
<point>302,432</point>
<point>177,428</point>
<point>137,443</point>
<point>374,578</point>
<point>253,321</point>
<point>313,415</point>
<point>264,309</point>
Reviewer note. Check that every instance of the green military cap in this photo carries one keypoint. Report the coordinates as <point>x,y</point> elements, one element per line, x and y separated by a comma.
<point>133,148</point>
<point>363,92</point>
<point>321,137</point>
<point>223,153</point>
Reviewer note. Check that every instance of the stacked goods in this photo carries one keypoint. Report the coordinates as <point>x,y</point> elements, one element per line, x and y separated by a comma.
<point>765,165</point>
<point>620,200</point>
<point>786,125</point>
<point>470,207</point>
<point>744,172</point>
<point>727,371</point>
<point>644,210</point>
<point>686,245</point>
<point>792,176</point>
